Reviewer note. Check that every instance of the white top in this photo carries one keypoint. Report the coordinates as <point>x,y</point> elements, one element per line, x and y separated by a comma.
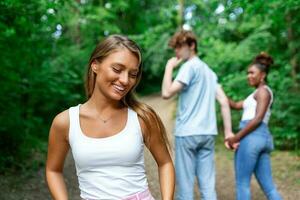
<point>108,168</point>
<point>249,107</point>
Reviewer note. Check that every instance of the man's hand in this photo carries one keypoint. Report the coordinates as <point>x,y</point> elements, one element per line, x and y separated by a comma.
<point>173,62</point>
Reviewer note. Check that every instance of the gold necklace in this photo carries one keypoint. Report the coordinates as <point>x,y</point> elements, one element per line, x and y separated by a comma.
<point>105,120</point>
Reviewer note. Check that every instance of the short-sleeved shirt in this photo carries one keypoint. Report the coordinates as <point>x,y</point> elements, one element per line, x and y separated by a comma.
<point>196,113</point>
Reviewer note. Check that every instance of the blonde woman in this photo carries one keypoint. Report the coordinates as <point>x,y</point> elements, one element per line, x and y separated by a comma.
<point>107,133</point>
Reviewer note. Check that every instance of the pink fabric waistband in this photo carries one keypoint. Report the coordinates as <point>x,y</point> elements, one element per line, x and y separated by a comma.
<point>145,195</point>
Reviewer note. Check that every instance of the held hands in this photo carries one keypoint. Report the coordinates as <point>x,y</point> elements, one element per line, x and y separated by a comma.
<point>231,142</point>
<point>173,62</point>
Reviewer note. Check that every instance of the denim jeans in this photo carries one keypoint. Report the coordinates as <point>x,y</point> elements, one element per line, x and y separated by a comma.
<point>195,157</point>
<point>253,156</point>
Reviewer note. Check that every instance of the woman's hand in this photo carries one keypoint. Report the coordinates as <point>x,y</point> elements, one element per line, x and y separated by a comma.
<point>232,142</point>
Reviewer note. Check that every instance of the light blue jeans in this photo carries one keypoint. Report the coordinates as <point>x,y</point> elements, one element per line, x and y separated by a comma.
<point>194,156</point>
<point>253,156</point>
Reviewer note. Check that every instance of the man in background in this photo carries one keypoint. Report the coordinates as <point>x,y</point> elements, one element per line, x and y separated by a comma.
<point>196,126</point>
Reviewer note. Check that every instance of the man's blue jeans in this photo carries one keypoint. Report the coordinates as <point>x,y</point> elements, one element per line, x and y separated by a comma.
<point>253,156</point>
<point>195,157</point>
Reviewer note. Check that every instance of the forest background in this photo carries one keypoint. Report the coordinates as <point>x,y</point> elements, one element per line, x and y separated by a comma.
<point>45,46</point>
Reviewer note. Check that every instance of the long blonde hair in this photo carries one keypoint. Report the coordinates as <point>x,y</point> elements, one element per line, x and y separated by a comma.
<point>112,44</point>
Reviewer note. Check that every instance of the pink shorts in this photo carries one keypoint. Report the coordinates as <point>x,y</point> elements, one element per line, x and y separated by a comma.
<point>145,195</point>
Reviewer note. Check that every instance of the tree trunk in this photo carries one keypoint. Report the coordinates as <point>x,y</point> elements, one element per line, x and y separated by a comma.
<point>292,48</point>
<point>180,13</point>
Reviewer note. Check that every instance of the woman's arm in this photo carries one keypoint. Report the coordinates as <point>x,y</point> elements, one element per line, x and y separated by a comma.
<point>58,147</point>
<point>263,98</point>
<point>236,105</point>
<point>159,151</point>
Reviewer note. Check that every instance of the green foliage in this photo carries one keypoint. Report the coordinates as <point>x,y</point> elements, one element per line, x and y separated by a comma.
<point>45,46</point>
<point>241,31</point>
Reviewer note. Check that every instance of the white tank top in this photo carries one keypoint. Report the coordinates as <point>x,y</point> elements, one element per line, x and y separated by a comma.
<point>111,167</point>
<point>249,107</point>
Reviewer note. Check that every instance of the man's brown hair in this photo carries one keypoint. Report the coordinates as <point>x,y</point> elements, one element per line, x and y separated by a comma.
<point>183,37</point>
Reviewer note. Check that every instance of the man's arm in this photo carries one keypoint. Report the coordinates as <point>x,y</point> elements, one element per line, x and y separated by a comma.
<point>225,110</point>
<point>170,87</point>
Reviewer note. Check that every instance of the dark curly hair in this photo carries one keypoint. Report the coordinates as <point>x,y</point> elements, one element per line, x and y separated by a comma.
<point>263,61</point>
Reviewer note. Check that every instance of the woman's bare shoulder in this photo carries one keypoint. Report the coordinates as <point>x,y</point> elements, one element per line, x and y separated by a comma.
<point>61,122</point>
<point>263,92</point>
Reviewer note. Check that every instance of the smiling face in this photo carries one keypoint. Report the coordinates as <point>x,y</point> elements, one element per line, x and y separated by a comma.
<point>255,76</point>
<point>117,74</point>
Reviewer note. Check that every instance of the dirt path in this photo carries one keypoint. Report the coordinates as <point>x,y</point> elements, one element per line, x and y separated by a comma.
<point>286,165</point>
<point>286,170</point>
<point>286,173</point>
